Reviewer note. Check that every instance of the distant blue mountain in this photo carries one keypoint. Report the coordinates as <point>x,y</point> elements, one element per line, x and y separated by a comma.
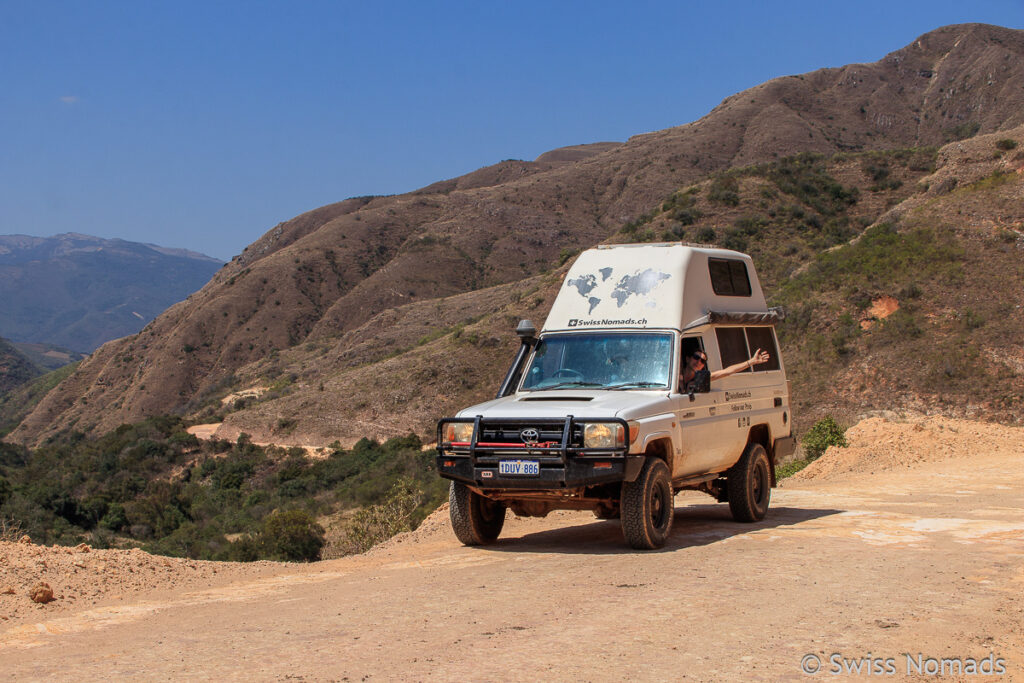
<point>78,291</point>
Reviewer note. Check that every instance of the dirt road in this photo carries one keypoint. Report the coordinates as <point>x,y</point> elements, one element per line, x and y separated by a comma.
<point>925,560</point>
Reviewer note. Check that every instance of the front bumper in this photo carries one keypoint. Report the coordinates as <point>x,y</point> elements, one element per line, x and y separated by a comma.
<point>562,462</point>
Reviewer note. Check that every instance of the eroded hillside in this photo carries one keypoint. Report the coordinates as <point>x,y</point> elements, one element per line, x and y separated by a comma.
<point>446,270</point>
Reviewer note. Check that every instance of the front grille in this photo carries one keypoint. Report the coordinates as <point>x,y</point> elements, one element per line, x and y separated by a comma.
<point>512,433</point>
<point>501,437</point>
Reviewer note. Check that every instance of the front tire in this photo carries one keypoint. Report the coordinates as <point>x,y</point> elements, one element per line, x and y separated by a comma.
<point>648,507</point>
<point>476,520</point>
<point>750,485</point>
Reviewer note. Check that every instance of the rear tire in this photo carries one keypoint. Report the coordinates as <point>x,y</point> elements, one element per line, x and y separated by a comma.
<point>648,507</point>
<point>750,485</point>
<point>476,520</point>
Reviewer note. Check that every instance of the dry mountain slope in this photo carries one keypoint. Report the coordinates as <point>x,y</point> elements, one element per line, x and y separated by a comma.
<point>943,343</point>
<point>320,276</point>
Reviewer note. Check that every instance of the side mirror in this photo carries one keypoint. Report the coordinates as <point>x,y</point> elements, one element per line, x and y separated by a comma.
<point>692,397</point>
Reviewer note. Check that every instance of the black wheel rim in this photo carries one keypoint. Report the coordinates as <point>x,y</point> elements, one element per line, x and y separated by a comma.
<point>660,507</point>
<point>759,484</point>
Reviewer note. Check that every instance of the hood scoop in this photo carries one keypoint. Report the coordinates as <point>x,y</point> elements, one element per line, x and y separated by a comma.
<point>558,398</point>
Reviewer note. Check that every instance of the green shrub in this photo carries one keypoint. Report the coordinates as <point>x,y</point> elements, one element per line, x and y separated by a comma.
<point>972,319</point>
<point>1006,144</point>
<point>705,235</point>
<point>566,254</point>
<point>965,130</point>
<point>902,325</point>
<point>825,432</point>
<point>750,225</point>
<point>725,190</point>
<point>291,535</point>
<point>790,468</point>
<point>393,515</point>
<point>734,240</point>
<point>687,216</point>
<point>805,178</point>
<point>673,234</point>
<point>115,519</point>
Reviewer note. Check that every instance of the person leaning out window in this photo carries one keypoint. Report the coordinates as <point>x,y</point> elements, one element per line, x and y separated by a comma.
<point>697,378</point>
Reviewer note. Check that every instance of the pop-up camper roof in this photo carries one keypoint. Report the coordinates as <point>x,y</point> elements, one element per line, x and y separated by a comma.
<point>643,286</point>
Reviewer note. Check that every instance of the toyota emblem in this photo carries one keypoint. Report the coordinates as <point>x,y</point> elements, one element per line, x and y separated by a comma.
<point>529,436</point>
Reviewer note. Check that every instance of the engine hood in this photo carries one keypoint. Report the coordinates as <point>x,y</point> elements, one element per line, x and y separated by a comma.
<point>578,403</point>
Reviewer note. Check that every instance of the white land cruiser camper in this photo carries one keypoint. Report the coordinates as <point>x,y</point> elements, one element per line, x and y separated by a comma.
<point>591,414</point>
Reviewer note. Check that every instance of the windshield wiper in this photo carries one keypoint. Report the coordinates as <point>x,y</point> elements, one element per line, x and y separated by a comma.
<point>573,383</point>
<point>633,385</point>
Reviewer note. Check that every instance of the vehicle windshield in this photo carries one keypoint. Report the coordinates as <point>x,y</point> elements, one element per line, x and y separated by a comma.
<point>621,360</point>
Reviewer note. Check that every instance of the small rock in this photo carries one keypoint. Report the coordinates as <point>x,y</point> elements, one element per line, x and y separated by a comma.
<point>82,548</point>
<point>8,590</point>
<point>41,593</point>
<point>25,539</point>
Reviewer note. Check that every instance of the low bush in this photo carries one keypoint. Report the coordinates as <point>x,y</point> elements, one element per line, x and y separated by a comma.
<point>825,432</point>
<point>724,190</point>
<point>392,516</point>
<point>147,485</point>
<point>292,536</point>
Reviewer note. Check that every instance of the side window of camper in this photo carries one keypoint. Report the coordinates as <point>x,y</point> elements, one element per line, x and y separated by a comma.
<point>732,344</point>
<point>764,338</point>
<point>729,277</point>
<point>737,344</point>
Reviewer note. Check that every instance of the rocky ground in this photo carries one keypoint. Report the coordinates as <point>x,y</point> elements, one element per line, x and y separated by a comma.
<point>82,577</point>
<point>907,546</point>
<point>891,442</point>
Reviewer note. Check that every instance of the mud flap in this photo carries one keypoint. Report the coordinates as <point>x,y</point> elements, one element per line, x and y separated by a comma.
<point>634,463</point>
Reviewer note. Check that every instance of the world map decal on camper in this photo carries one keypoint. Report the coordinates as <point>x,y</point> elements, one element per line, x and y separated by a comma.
<point>637,283</point>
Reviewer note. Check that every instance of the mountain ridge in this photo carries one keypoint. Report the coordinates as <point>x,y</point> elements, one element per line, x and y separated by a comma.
<point>78,291</point>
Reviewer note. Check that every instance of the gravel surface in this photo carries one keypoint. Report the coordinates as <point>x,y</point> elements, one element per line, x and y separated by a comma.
<point>84,577</point>
<point>909,541</point>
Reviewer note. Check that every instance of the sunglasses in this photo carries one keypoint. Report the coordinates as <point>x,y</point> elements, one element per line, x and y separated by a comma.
<point>700,357</point>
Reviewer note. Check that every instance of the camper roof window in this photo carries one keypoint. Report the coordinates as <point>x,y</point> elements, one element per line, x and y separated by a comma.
<point>729,277</point>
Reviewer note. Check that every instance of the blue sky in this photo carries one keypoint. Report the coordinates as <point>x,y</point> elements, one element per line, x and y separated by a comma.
<point>203,124</point>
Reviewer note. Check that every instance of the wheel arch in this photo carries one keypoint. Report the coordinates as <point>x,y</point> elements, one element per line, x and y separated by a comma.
<point>761,433</point>
<point>660,446</point>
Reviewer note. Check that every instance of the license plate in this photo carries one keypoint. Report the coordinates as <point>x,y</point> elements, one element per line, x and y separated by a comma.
<point>526,468</point>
